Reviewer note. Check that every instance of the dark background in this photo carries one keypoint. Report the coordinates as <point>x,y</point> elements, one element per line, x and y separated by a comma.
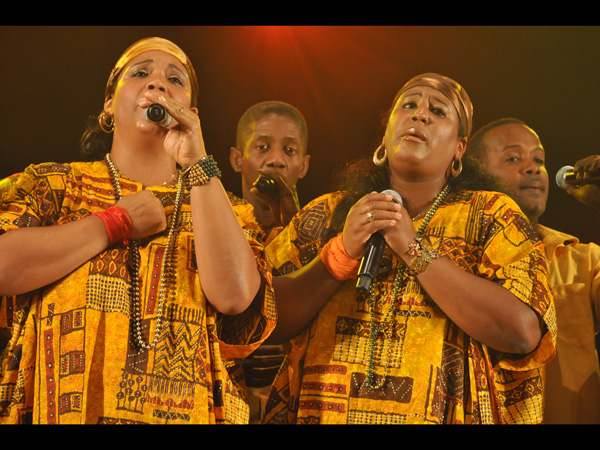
<point>343,79</point>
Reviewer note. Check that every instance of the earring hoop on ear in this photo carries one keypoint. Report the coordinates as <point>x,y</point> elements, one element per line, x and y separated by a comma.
<point>106,121</point>
<point>455,172</point>
<point>377,160</point>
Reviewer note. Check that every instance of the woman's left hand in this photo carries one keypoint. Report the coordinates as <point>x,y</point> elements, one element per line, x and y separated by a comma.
<point>399,236</point>
<point>183,140</point>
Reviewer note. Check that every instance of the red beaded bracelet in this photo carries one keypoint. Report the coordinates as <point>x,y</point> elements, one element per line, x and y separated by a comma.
<point>118,224</point>
<point>339,264</point>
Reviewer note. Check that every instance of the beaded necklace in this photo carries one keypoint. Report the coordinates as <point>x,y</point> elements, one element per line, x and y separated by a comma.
<point>384,326</point>
<point>167,270</point>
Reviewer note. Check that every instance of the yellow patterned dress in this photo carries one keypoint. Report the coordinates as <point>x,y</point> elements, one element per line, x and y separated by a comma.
<point>429,371</point>
<point>67,352</point>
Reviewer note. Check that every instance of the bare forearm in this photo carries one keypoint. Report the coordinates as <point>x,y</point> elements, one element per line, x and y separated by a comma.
<point>35,257</point>
<point>300,296</point>
<point>226,264</point>
<point>481,308</point>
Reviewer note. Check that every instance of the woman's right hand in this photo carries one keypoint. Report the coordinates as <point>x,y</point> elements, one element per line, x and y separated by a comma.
<point>359,228</point>
<point>146,212</point>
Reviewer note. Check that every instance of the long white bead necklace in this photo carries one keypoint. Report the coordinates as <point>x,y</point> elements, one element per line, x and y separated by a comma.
<point>167,269</point>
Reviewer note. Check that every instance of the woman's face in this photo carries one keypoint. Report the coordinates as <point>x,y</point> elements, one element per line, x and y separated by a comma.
<point>421,137</point>
<point>155,72</point>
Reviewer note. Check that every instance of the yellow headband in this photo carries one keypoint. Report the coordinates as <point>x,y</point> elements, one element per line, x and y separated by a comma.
<point>146,45</point>
<point>452,90</point>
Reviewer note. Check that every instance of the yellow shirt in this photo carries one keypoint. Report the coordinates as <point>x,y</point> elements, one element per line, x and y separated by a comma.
<point>573,376</point>
<point>431,371</point>
<point>71,357</point>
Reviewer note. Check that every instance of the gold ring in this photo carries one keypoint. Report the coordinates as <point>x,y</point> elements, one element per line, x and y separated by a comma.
<point>370,216</point>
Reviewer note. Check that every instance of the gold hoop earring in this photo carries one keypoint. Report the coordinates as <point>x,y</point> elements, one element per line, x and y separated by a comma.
<point>106,121</point>
<point>456,171</point>
<point>380,161</point>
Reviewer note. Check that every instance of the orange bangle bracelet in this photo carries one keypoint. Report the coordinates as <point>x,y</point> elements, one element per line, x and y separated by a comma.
<point>339,264</point>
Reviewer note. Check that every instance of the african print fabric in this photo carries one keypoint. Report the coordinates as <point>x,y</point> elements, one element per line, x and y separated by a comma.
<point>70,359</point>
<point>429,370</point>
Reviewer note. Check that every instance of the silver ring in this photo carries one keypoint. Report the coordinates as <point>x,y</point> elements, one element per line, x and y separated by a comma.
<point>370,216</point>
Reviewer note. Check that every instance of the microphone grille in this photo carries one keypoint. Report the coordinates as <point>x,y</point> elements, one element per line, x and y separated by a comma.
<point>393,194</point>
<point>560,176</point>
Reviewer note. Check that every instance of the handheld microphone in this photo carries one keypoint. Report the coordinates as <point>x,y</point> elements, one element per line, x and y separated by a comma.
<point>565,178</point>
<point>265,185</point>
<point>372,257</point>
<point>157,113</point>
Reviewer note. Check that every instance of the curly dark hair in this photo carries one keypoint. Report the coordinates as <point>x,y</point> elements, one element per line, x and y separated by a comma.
<point>94,143</point>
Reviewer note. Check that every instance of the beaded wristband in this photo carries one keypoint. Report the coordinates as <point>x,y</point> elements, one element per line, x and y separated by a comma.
<point>201,172</point>
<point>118,224</point>
<point>338,263</point>
<point>423,256</point>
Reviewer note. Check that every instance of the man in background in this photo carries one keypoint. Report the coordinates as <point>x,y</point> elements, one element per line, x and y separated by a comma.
<point>271,143</point>
<point>271,155</point>
<point>512,152</point>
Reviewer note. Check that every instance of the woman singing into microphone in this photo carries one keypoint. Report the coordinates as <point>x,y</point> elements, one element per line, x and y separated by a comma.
<point>459,318</point>
<point>133,283</point>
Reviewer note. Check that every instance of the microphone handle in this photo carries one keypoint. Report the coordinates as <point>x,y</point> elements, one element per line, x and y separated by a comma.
<point>571,180</point>
<point>373,252</point>
<point>370,263</point>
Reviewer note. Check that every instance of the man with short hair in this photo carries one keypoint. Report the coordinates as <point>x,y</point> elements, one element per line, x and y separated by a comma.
<point>512,152</point>
<point>271,143</point>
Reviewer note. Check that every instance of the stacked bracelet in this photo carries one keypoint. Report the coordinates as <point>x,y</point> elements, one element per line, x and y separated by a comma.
<point>201,172</point>
<point>118,224</point>
<point>338,263</point>
<point>423,256</point>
